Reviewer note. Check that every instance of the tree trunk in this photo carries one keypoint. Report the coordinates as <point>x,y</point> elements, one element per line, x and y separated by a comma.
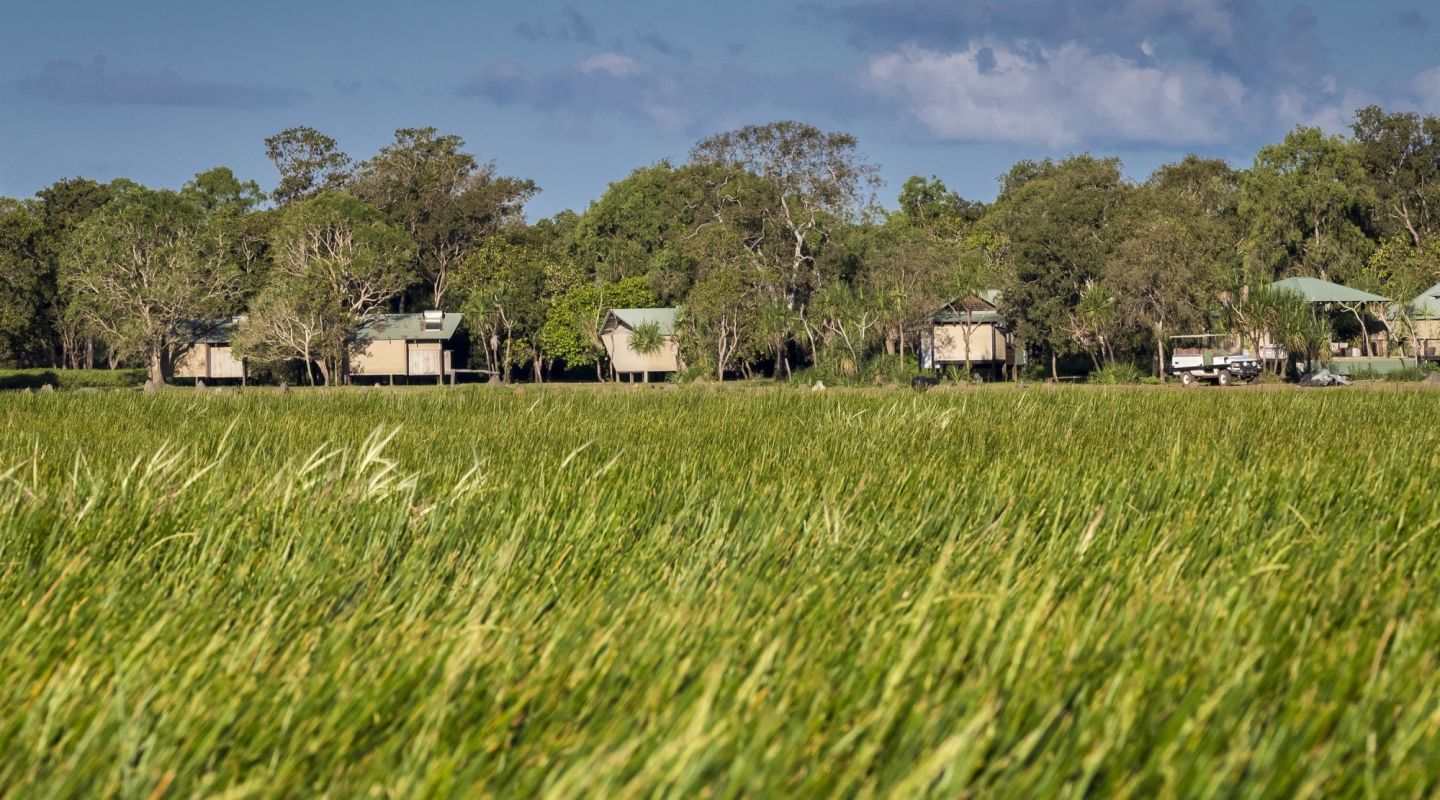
<point>1160,348</point>
<point>324,368</point>
<point>1364,334</point>
<point>157,367</point>
<point>1054,367</point>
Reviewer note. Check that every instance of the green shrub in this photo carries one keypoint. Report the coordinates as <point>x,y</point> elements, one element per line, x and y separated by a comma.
<point>836,368</point>
<point>1117,374</point>
<point>72,378</point>
<point>1404,375</point>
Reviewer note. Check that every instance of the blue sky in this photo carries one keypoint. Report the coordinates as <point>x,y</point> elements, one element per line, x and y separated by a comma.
<point>576,95</point>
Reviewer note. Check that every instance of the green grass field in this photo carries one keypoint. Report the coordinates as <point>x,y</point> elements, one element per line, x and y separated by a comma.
<point>996,592</point>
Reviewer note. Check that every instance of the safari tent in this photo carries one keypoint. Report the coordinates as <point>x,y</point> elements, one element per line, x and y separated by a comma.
<point>969,331</point>
<point>406,345</point>
<point>208,354</point>
<point>1425,313</point>
<point>618,330</point>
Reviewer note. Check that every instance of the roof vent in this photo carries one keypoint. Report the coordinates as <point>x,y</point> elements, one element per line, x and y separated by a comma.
<point>432,320</point>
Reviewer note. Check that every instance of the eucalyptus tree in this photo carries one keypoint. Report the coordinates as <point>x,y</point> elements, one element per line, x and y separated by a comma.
<point>1306,205</point>
<point>443,197</point>
<point>910,269</point>
<point>811,183</point>
<point>338,264</point>
<point>1400,152</point>
<point>503,282</point>
<point>1401,270</point>
<point>143,267</point>
<point>638,227</point>
<point>817,181</point>
<point>932,206</point>
<point>23,283</point>
<point>218,190</point>
<point>63,206</point>
<point>1175,252</point>
<point>1056,221</point>
<point>309,163</point>
<point>729,315</point>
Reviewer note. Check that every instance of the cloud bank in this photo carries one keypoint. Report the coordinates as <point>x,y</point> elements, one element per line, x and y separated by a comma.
<point>93,83</point>
<point>1060,96</point>
<point>676,99</point>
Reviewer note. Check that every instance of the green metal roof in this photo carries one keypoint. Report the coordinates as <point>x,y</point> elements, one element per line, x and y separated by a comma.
<point>664,318</point>
<point>1315,290</point>
<point>410,327</point>
<point>210,331</point>
<point>950,314</point>
<point>1427,306</point>
<point>948,317</point>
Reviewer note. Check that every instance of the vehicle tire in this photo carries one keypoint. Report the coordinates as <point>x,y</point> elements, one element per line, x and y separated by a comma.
<point>1223,379</point>
<point>1186,379</point>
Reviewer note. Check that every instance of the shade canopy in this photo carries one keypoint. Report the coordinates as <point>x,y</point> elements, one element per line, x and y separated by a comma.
<point>1314,290</point>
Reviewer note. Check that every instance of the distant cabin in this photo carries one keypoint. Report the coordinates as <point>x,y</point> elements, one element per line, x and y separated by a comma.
<point>208,354</point>
<point>969,331</point>
<point>1425,312</point>
<point>620,323</point>
<point>407,345</point>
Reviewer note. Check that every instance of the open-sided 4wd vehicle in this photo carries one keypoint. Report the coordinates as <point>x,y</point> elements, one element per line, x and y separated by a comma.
<point>1204,357</point>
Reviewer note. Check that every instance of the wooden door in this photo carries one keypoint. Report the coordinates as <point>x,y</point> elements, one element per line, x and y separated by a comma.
<point>424,362</point>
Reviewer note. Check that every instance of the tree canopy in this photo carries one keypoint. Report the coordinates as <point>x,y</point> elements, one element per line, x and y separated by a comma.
<point>769,240</point>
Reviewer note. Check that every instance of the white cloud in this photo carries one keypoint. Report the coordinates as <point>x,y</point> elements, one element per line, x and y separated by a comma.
<point>674,99</point>
<point>1331,112</point>
<point>1058,96</point>
<point>1427,86</point>
<point>615,65</point>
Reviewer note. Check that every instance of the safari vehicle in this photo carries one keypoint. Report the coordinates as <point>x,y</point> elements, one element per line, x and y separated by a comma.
<point>1206,357</point>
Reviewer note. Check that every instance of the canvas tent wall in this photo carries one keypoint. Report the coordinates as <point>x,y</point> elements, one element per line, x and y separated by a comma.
<point>969,331</point>
<point>1425,314</point>
<point>619,327</point>
<point>208,354</point>
<point>408,345</point>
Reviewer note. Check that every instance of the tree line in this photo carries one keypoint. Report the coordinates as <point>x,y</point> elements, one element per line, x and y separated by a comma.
<point>768,238</point>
